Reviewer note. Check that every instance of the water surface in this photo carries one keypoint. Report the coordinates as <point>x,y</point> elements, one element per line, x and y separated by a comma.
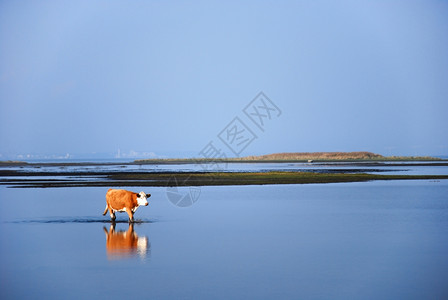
<point>371,240</point>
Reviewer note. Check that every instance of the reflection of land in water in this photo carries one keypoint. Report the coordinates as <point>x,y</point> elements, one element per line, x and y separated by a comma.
<point>125,244</point>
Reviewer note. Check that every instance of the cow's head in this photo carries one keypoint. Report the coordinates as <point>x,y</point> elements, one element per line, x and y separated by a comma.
<point>141,198</point>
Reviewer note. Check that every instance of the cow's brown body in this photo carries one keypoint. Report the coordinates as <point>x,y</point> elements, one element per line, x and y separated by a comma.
<point>124,201</point>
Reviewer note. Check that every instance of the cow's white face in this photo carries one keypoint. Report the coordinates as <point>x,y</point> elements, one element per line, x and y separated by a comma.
<point>141,198</point>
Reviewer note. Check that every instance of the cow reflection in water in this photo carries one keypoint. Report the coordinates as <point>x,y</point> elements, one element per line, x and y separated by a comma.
<point>125,244</point>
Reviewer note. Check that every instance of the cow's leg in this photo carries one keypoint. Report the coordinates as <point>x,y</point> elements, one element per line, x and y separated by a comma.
<point>105,210</point>
<point>131,215</point>
<point>112,214</point>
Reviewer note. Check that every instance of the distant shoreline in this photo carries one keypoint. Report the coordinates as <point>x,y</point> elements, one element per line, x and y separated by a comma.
<point>297,157</point>
<point>205,161</point>
<point>293,157</point>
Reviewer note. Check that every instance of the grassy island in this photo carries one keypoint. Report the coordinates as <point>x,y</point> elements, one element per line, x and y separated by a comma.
<point>295,157</point>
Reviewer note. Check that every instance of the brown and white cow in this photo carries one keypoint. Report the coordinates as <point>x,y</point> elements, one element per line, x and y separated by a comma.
<point>124,201</point>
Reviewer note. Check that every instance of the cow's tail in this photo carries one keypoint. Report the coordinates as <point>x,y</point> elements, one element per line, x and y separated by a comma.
<point>105,211</point>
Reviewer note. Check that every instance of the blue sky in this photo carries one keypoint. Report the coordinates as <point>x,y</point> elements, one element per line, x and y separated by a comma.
<point>168,76</point>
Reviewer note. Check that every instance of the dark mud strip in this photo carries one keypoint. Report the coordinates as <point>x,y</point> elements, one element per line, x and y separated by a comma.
<point>93,174</point>
<point>359,163</point>
<point>204,179</point>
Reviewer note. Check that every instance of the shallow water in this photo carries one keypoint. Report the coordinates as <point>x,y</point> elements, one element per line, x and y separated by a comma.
<point>373,240</point>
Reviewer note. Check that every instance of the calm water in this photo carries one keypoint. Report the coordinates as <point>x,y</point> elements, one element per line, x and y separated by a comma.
<point>374,240</point>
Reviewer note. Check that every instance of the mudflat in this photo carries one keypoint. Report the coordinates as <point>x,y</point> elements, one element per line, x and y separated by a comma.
<point>44,175</point>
